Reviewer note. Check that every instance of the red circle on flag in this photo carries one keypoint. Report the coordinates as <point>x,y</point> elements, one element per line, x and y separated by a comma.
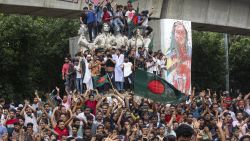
<point>156,87</point>
<point>102,79</point>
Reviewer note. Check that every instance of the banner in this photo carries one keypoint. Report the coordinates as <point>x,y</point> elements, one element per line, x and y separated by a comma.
<point>176,44</point>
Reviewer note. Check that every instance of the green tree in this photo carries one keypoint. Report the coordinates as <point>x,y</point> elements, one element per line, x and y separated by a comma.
<point>32,52</point>
<point>208,57</point>
<point>239,60</point>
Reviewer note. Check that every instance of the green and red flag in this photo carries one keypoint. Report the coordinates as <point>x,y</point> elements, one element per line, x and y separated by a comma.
<point>101,80</point>
<point>151,45</point>
<point>131,1</point>
<point>153,87</point>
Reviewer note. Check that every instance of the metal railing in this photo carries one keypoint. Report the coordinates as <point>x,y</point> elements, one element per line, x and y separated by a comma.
<point>71,1</point>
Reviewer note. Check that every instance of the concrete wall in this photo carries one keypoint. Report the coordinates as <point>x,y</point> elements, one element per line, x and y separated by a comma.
<point>155,24</point>
<point>232,14</point>
<point>73,47</point>
<point>60,8</point>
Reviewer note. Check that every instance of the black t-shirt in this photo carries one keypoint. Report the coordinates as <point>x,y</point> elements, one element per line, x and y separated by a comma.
<point>131,59</point>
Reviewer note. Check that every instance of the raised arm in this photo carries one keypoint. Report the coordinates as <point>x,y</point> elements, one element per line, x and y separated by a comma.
<point>119,99</point>
<point>98,96</point>
<point>52,118</point>
<point>100,102</point>
<point>69,120</point>
<point>119,120</point>
<point>192,95</point>
<point>47,127</point>
<point>86,95</point>
<point>219,125</point>
<point>152,12</point>
<point>24,108</point>
<point>246,99</point>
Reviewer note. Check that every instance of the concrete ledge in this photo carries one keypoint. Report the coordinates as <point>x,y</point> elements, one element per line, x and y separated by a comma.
<point>51,6</point>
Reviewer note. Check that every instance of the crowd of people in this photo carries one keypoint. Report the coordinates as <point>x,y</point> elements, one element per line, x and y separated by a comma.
<point>118,17</point>
<point>86,111</point>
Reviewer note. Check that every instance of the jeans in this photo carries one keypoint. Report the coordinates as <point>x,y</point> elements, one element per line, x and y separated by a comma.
<point>91,28</point>
<point>79,87</point>
<point>130,29</point>
<point>129,82</point>
<point>118,24</point>
<point>119,86</point>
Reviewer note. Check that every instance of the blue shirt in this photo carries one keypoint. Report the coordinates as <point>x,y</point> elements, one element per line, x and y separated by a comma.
<point>91,17</point>
<point>3,130</point>
<point>196,112</point>
<point>98,13</point>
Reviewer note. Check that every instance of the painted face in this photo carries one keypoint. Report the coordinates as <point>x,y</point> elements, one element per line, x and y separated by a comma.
<point>106,27</point>
<point>180,34</point>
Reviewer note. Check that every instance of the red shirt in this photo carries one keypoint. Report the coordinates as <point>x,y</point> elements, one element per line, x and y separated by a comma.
<point>168,118</point>
<point>61,133</point>
<point>106,17</point>
<point>91,105</point>
<point>65,69</point>
<point>11,121</point>
<point>10,124</point>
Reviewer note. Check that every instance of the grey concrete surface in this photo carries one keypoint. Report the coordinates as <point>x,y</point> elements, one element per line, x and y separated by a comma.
<point>59,8</point>
<point>230,16</point>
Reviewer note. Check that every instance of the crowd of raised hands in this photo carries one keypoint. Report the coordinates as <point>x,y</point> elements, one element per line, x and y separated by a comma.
<point>116,116</point>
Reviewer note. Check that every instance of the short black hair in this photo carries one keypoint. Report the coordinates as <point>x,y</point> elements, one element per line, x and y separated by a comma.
<point>109,56</point>
<point>17,123</point>
<point>70,138</point>
<point>169,138</point>
<point>13,110</point>
<point>30,124</point>
<point>244,137</point>
<point>184,130</point>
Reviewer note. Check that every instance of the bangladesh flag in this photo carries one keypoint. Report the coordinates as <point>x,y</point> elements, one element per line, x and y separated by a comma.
<point>132,1</point>
<point>151,86</point>
<point>151,45</point>
<point>101,80</point>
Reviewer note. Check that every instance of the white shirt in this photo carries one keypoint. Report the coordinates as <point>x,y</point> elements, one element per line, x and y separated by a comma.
<point>244,127</point>
<point>130,15</point>
<point>67,104</point>
<point>2,119</point>
<point>82,117</point>
<point>78,74</point>
<point>119,13</point>
<point>151,69</point>
<point>127,68</point>
<point>31,119</point>
<point>145,22</point>
<point>158,63</point>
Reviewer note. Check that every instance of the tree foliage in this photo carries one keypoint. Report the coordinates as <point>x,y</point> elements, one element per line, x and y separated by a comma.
<point>208,57</point>
<point>32,51</point>
<point>239,61</point>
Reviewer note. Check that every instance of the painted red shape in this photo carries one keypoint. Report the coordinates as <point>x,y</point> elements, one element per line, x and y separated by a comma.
<point>156,87</point>
<point>101,80</point>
